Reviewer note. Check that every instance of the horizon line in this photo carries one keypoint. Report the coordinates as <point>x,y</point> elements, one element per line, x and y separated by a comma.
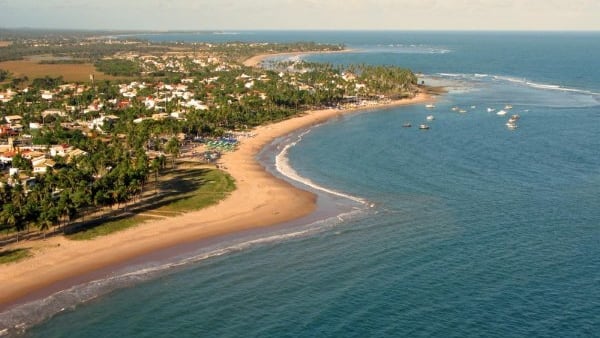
<point>302,30</point>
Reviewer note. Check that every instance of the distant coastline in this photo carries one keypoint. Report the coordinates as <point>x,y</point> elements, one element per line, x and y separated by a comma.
<point>256,60</point>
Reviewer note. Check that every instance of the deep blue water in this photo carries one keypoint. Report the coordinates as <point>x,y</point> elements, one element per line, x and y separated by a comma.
<point>475,230</point>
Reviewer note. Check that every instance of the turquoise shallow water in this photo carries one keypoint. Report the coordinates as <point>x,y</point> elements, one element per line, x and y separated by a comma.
<point>475,230</point>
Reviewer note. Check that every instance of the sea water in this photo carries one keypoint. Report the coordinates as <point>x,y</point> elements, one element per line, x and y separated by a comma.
<point>467,229</point>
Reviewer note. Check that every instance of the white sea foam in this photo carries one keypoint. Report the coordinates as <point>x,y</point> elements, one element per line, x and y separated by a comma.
<point>451,74</point>
<point>519,81</point>
<point>283,166</point>
<point>409,49</point>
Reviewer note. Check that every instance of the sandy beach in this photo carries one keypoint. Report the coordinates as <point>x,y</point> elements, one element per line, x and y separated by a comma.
<point>257,59</point>
<point>260,200</point>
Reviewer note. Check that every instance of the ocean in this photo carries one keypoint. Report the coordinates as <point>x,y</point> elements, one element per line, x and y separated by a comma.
<point>468,229</point>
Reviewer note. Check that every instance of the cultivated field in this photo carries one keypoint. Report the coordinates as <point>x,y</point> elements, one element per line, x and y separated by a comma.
<point>5,43</point>
<point>70,72</point>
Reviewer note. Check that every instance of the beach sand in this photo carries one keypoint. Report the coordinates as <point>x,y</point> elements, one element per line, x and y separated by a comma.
<point>257,59</point>
<point>260,200</point>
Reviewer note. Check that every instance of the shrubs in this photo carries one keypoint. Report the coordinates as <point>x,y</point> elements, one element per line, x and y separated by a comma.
<point>117,67</point>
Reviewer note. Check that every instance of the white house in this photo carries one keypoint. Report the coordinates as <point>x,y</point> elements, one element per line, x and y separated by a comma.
<point>46,95</point>
<point>13,119</point>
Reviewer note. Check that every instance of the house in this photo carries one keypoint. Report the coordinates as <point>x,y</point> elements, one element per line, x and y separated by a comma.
<point>196,104</point>
<point>13,119</point>
<point>6,96</point>
<point>6,157</point>
<point>42,164</point>
<point>159,116</point>
<point>178,115</point>
<point>123,104</point>
<point>7,130</point>
<point>97,123</point>
<point>59,150</point>
<point>46,95</point>
<point>53,112</point>
<point>149,102</point>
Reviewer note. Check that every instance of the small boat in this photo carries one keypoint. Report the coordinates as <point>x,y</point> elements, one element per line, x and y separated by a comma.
<point>507,107</point>
<point>455,108</point>
<point>501,112</point>
<point>407,125</point>
<point>430,106</point>
<point>430,118</point>
<point>473,107</point>
<point>511,125</point>
<point>490,110</point>
<point>423,126</point>
<point>462,111</point>
<point>515,117</point>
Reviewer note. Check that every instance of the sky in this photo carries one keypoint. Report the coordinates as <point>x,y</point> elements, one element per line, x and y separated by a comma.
<point>302,14</point>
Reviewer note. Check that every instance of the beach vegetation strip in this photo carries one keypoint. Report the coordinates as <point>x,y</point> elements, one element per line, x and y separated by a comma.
<point>182,191</point>
<point>107,228</point>
<point>15,255</point>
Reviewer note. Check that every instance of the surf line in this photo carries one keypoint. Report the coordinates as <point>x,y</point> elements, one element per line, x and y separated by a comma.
<point>283,166</point>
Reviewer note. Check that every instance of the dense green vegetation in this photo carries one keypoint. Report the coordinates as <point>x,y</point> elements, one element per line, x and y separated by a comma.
<point>118,67</point>
<point>47,82</point>
<point>11,256</point>
<point>188,190</point>
<point>3,75</point>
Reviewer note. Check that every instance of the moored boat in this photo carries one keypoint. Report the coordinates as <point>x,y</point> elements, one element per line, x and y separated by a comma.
<point>407,125</point>
<point>423,126</point>
<point>501,112</point>
<point>430,118</point>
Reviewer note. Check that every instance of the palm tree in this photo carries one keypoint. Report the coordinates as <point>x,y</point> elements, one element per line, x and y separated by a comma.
<point>173,148</point>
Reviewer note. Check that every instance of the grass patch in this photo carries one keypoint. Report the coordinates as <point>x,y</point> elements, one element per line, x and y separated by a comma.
<point>70,72</point>
<point>108,228</point>
<point>212,186</point>
<point>183,190</point>
<point>11,256</point>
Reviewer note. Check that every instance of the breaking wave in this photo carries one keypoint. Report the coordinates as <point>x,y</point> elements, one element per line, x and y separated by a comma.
<point>283,166</point>
<point>518,81</point>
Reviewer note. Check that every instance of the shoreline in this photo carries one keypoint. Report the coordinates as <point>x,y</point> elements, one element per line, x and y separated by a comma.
<point>259,200</point>
<point>257,59</point>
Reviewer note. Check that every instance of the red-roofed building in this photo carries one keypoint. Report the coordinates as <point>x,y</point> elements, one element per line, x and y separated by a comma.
<point>6,130</point>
